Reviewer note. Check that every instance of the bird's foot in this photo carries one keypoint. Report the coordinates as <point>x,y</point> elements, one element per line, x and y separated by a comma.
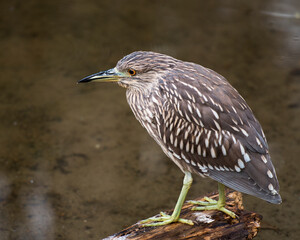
<point>210,204</point>
<point>163,220</point>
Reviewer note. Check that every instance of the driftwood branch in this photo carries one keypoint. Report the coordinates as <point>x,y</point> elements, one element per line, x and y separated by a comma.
<point>208,225</point>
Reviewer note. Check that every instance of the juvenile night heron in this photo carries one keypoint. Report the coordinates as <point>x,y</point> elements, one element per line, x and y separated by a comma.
<point>201,123</point>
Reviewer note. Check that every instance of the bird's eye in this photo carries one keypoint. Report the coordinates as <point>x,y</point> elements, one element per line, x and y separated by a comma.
<point>132,72</point>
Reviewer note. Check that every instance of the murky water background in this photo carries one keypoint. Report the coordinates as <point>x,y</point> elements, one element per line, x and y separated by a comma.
<point>75,164</point>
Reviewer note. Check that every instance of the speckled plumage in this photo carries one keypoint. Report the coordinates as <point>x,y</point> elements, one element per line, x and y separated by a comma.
<point>201,122</point>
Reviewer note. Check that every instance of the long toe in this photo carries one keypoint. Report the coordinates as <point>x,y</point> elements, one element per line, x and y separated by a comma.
<point>165,219</point>
<point>212,205</point>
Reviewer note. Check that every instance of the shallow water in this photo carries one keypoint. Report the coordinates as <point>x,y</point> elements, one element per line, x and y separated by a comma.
<point>75,164</point>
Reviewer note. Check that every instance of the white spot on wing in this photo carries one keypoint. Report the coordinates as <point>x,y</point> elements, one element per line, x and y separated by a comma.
<point>187,117</point>
<point>198,112</point>
<point>263,158</point>
<point>175,142</point>
<point>196,121</point>
<point>213,152</point>
<point>215,113</point>
<point>185,159</point>
<point>234,128</point>
<point>187,146</point>
<point>242,149</point>
<point>235,122</point>
<point>224,150</point>
<point>201,123</point>
<point>171,138</point>
<point>220,139</point>
<point>202,168</point>
<point>190,108</point>
<point>270,175</point>
<point>246,157</point>
<point>155,100</point>
<point>244,132</point>
<point>176,155</point>
<point>192,148</point>
<point>164,139</point>
<point>208,135</point>
<point>237,168</point>
<point>241,164</point>
<point>181,144</point>
<point>199,150</point>
<point>271,187</point>
<point>217,125</point>
<point>186,134</point>
<point>233,138</point>
<point>258,142</point>
<point>233,108</point>
<point>206,142</point>
<point>220,107</point>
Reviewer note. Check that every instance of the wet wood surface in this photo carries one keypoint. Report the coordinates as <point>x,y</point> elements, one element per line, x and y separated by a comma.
<point>208,225</point>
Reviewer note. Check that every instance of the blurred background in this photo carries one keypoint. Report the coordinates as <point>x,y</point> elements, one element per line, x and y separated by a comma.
<point>75,164</point>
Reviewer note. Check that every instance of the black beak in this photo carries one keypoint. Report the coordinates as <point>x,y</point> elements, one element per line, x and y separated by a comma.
<point>110,75</point>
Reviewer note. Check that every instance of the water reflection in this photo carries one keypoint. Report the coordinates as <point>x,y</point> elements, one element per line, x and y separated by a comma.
<point>40,215</point>
<point>282,15</point>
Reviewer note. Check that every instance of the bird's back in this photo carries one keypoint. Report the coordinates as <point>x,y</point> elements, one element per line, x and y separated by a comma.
<point>205,126</point>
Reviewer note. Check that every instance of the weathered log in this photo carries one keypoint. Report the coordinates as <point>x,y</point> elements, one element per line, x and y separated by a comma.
<point>208,225</point>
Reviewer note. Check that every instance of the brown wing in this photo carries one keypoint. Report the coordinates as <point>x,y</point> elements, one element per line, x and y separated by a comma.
<point>208,127</point>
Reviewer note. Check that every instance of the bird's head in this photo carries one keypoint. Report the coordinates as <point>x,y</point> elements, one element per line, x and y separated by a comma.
<point>136,70</point>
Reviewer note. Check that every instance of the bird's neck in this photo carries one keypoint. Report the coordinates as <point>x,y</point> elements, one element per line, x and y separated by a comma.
<point>140,101</point>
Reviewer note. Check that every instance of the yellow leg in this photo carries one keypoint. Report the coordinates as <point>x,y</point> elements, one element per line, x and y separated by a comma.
<point>211,204</point>
<point>167,219</point>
